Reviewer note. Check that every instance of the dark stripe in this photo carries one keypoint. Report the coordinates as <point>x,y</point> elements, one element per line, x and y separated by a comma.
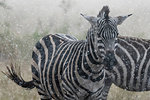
<point>35,57</point>
<point>92,46</point>
<point>34,71</point>
<point>42,94</point>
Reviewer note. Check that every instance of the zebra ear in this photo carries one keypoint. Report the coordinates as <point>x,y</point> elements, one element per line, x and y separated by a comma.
<point>91,19</point>
<point>120,19</point>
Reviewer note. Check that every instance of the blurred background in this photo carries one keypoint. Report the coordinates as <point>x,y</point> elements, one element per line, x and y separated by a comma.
<point>24,22</point>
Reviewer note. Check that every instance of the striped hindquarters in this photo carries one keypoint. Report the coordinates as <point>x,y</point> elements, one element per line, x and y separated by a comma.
<point>47,56</point>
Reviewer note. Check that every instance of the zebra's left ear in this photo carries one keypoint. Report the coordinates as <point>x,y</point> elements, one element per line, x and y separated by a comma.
<point>120,19</point>
<point>91,19</point>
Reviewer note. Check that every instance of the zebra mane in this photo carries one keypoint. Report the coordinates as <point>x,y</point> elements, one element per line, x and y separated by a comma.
<point>104,12</point>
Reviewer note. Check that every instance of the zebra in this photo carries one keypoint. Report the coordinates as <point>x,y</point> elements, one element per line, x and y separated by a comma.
<point>64,68</point>
<point>132,72</point>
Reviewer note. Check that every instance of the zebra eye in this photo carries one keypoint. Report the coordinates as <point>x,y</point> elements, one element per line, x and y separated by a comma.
<point>117,33</point>
<point>99,41</point>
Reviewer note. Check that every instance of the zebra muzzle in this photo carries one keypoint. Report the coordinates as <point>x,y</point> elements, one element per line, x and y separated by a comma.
<point>110,60</point>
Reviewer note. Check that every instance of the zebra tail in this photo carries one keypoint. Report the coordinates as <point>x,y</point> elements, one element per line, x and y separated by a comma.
<point>17,78</point>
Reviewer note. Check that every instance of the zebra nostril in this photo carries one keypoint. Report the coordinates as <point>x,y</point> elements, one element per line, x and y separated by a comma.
<point>109,53</point>
<point>110,60</point>
<point>109,56</point>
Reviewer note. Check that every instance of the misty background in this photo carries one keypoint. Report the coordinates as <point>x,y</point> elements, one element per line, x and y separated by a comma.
<point>24,22</point>
<point>26,15</point>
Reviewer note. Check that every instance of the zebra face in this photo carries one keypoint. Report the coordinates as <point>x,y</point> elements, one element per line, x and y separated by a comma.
<point>104,29</point>
<point>106,35</point>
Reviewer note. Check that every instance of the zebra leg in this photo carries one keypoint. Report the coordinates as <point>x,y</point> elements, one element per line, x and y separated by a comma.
<point>41,91</point>
<point>105,91</point>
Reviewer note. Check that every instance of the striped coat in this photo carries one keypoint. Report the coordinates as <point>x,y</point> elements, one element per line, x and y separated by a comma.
<point>133,70</point>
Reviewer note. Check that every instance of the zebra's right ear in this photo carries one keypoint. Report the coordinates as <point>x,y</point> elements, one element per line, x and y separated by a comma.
<point>91,19</point>
<point>120,19</point>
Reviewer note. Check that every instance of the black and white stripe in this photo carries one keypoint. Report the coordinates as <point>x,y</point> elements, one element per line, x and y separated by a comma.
<point>64,68</point>
<point>133,70</point>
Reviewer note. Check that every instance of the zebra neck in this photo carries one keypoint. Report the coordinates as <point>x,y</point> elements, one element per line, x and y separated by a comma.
<point>91,48</point>
<point>91,61</point>
<point>89,66</point>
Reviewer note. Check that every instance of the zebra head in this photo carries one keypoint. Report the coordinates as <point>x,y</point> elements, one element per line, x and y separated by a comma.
<point>104,31</point>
